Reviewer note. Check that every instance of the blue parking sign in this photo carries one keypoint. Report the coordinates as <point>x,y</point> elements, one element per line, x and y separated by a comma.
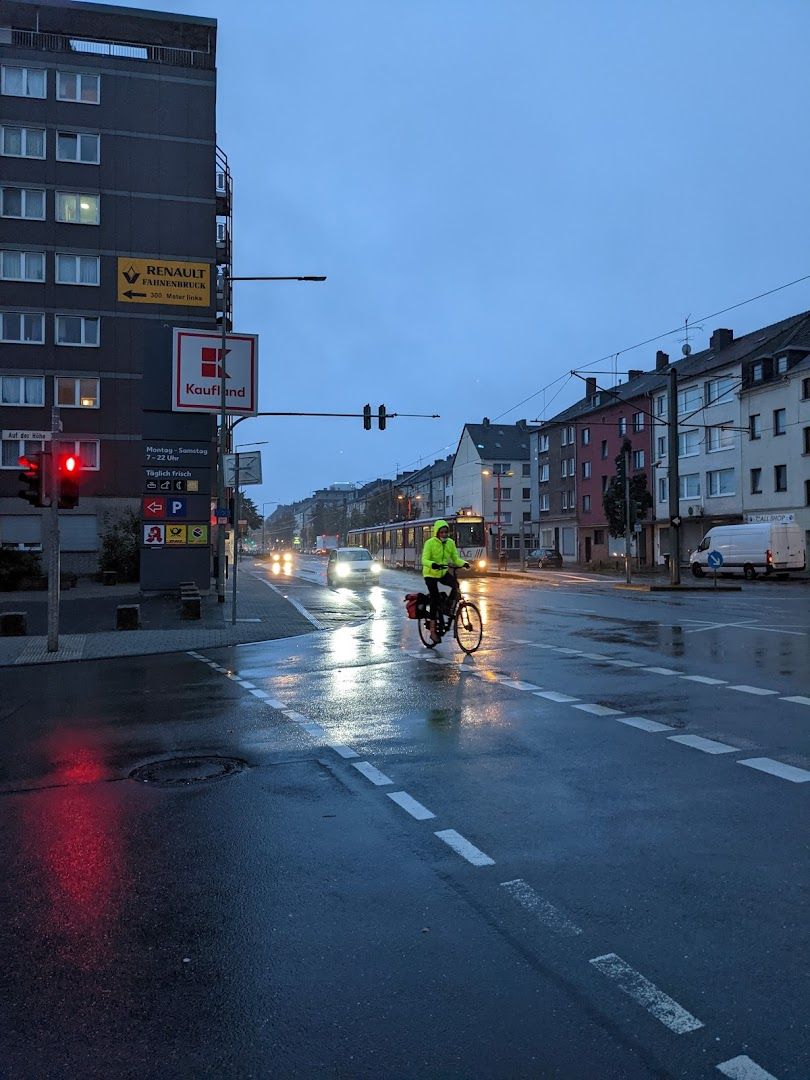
<point>176,507</point>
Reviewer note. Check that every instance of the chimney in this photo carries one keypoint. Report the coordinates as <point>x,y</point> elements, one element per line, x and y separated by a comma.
<point>661,360</point>
<point>721,339</point>
<point>521,425</point>
<point>634,373</point>
<point>485,421</point>
<point>590,386</point>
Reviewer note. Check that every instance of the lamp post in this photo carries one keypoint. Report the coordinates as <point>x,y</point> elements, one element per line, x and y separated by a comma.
<point>497,474</point>
<point>227,284</point>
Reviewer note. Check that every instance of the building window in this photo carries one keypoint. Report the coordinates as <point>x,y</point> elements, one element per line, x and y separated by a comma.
<point>77,269</point>
<point>807,493</point>
<point>586,470</point>
<point>720,482</point>
<point>756,481</point>
<point>689,486</point>
<point>22,203</point>
<point>564,500</point>
<point>14,449</point>
<point>663,489</point>
<point>586,503</point>
<point>87,450</point>
<point>22,328</point>
<point>807,440</point>
<point>527,493</point>
<point>719,391</point>
<point>586,436</point>
<point>661,443</point>
<point>527,515</point>
<point>77,209</point>
<point>661,405</point>
<point>564,467</point>
<point>542,444</point>
<point>605,481</point>
<point>506,517</point>
<point>71,86</point>
<point>781,365</point>
<point>688,443</point>
<point>805,389</point>
<point>502,469</point>
<point>24,81</point>
<point>757,371</point>
<point>719,438</point>
<point>570,436</point>
<point>544,502</point>
<point>74,393</point>
<point>81,146</point>
<point>780,478</point>
<point>638,421</point>
<point>544,474</point>
<point>622,425</point>
<point>525,469</point>
<point>754,426</point>
<point>506,493</point>
<point>22,141</point>
<point>22,390</point>
<point>22,265</point>
<point>604,450</point>
<point>638,459</point>
<point>689,400</point>
<point>779,422</point>
<point>77,330</point>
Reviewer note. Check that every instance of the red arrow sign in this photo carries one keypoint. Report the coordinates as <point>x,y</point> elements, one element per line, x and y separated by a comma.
<point>154,507</point>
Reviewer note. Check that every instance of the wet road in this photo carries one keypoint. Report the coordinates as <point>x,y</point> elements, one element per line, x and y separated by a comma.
<point>580,853</point>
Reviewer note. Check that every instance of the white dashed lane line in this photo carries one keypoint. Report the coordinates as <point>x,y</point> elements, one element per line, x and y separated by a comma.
<point>464,848</point>
<point>643,724</point>
<point>647,994</point>
<point>598,710</point>
<point>743,1068</point>
<point>542,910</point>
<point>374,775</point>
<point>554,695</point>
<point>708,746</point>
<point>410,805</point>
<point>756,690</point>
<point>777,768</point>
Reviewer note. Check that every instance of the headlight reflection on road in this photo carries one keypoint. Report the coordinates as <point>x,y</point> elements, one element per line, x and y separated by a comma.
<point>343,644</point>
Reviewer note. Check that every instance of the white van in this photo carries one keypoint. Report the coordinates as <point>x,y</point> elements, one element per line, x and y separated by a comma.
<point>764,547</point>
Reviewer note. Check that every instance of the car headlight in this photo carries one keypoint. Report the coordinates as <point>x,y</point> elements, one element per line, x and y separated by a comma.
<point>288,557</point>
<point>276,568</point>
<point>375,568</point>
<point>482,564</point>
<point>342,570</point>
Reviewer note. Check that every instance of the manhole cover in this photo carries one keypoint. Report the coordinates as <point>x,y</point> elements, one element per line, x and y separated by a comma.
<point>187,770</point>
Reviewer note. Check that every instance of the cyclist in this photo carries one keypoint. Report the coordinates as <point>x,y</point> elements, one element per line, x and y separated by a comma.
<point>439,553</point>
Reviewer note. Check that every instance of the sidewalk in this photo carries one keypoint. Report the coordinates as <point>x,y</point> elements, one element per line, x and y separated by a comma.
<point>262,615</point>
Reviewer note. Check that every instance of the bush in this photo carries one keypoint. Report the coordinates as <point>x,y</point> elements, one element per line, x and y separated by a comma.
<point>19,569</point>
<point>121,546</point>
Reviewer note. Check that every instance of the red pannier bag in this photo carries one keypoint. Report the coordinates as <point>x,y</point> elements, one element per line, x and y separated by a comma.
<point>416,605</point>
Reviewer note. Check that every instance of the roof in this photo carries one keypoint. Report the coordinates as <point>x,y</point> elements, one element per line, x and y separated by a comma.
<point>499,442</point>
<point>764,341</point>
<point>646,383</point>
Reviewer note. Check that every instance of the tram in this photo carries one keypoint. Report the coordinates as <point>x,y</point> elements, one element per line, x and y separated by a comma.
<point>400,543</point>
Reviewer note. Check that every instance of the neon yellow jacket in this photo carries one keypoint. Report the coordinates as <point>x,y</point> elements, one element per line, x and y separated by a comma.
<point>437,551</point>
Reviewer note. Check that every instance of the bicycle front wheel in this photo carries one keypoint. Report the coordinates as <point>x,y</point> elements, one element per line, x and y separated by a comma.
<point>424,634</point>
<point>468,627</point>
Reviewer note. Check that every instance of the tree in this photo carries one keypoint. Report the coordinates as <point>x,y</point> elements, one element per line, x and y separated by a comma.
<point>248,512</point>
<point>614,505</point>
<point>121,545</point>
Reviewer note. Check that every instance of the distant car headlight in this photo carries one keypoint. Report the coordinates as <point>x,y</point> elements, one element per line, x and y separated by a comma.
<point>375,568</point>
<point>342,570</point>
<point>276,568</point>
<point>287,557</point>
<point>482,564</point>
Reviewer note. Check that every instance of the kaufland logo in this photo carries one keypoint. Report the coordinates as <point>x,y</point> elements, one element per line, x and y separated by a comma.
<point>210,366</point>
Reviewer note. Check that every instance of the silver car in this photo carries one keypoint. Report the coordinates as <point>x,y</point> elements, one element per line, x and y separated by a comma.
<point>352,566</point>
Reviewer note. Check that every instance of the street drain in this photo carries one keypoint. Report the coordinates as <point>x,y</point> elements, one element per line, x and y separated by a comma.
<point>177,772</point>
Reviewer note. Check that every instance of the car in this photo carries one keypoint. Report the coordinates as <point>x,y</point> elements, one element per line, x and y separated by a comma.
<point>352,566</point>
<point>546,558</point>
<point>281,562</point>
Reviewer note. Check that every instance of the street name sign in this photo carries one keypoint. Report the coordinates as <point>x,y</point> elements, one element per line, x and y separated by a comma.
<point>197,372</point>
<point>161,281</point>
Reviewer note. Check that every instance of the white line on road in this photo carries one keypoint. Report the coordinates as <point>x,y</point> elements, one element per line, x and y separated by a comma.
<point>315,730</point>
<point>753,690</point>
<point>704,680</point>
<point>464,848</point>
<point>410,805</point>
<point>743,1068</point>
<point>598,710</point>
<point>344,751</point>
<point>623,663</point>
<point>553,695</point>
<point>298,717</point>
<point>298,607</point>
<point>372,774</point>
<point>643,723</point>
<point>647,994</point>
<point>798,699</point>
<point>778,768</point>
<point>542,909</point>
<point>661,670</point>
<point>516,684</point>
<point>708,746</point>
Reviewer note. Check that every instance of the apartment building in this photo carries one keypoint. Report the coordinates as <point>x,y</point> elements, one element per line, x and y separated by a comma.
<point>114,213</point>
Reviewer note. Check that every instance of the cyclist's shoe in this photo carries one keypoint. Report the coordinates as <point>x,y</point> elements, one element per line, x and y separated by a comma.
<point>435,637</point>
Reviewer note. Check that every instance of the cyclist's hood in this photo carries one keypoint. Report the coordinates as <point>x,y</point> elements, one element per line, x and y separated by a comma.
<point>439,525</point>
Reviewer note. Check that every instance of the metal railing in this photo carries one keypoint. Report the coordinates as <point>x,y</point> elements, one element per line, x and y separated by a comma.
<point>155,54</point>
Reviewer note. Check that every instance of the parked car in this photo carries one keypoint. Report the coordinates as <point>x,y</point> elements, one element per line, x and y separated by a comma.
<point>546,558</point>
<point>352,566</point>
<point>765,547</point>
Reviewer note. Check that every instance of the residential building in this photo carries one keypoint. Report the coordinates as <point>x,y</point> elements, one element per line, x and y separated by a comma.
<point>108,144</point>
<point>428,492</point>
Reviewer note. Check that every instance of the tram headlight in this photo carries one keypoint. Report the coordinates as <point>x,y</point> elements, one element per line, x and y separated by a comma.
<point>481,564</point>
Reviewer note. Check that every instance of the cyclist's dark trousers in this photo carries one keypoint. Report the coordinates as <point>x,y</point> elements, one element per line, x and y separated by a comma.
<point>433,588</point>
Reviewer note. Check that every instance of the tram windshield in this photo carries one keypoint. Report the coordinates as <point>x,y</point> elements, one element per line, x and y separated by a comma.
<point>469,533</point>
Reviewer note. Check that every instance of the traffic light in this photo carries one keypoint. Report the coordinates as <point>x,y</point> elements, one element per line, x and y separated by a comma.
<point>367,417</point>
<point>31,478</point>
<point>381,417</point>
<point>69,469</point>
<point>620,470</point>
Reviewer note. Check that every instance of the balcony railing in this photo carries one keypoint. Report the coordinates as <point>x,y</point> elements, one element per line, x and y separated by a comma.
<point>155,54</point>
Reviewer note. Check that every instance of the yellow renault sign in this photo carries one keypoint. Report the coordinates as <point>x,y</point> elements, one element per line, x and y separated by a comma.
<point>157,281</point>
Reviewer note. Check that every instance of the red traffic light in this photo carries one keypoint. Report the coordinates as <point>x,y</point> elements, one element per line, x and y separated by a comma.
<point>71,463</point>
<point>70,467</point>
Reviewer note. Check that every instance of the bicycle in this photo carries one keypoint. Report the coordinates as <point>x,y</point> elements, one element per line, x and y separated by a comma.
<point>461,615</point>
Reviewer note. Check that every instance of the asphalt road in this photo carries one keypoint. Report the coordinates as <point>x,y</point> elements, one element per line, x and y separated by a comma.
<point>581,853</point>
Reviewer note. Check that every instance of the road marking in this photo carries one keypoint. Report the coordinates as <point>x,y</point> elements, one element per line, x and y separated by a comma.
<point>753,690</point>
<point>542,909</point>
<point>594,656</point>
<point>777,768</point>
<point>624,663</point>
<point>647,994</point>
<point>743,1068</point>
<point>644,724</point>
<point>661,670</point>
<point>598,710</point>
<point>704,679</point>
<point>298,607</point>
<point>410,805</point>
<point>315,730</point>
<point>798,699</point>
<point>464,848</point>
<point>569,652</point>
<point>516,684</point>
<point>297,716</point>
<point>261,694</point>
<point>553,695</point>
<point>247,685</point>
<point>344,751</point>
<point>708,746</point>
<point>372,774</point>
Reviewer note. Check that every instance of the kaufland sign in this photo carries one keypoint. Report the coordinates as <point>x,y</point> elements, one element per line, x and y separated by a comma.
<point>197,372</point>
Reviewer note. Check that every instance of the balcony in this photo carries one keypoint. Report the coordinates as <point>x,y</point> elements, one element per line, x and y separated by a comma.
<point>127,50</point>
<point>223,242</point>
<point>223,193</point>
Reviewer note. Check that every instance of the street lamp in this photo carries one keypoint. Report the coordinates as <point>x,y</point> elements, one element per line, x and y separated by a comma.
<point>498,474</point>
<point>227,284</point>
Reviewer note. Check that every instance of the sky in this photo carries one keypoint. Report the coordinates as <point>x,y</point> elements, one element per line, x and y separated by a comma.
<point>499,191</point>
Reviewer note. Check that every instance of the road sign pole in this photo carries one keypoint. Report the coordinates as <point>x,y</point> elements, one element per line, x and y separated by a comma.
<point>223,445</point>
<point>235,533</point>
<point>51,481</point>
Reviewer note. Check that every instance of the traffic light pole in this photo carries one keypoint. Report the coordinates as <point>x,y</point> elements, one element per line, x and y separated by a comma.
<point>51,488</point>
<point>627,531</point>
<point>673,481</point>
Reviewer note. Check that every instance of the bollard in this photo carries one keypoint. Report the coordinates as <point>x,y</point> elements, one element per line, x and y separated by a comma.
<point>109,577</point>
<point>128,617</point>
<point>13,624</point>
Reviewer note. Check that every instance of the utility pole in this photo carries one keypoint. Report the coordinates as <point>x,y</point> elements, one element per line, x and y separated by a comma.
<point>223,444</point>
<point>673,482</point>
<point>235,534</point>
<point>627,531</point>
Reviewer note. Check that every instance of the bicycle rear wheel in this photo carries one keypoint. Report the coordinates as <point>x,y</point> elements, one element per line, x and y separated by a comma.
<point>424,634</point>
<point>468,626</point>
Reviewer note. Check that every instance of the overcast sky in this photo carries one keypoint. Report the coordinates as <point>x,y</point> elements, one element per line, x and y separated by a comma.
<point>499,191</point>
